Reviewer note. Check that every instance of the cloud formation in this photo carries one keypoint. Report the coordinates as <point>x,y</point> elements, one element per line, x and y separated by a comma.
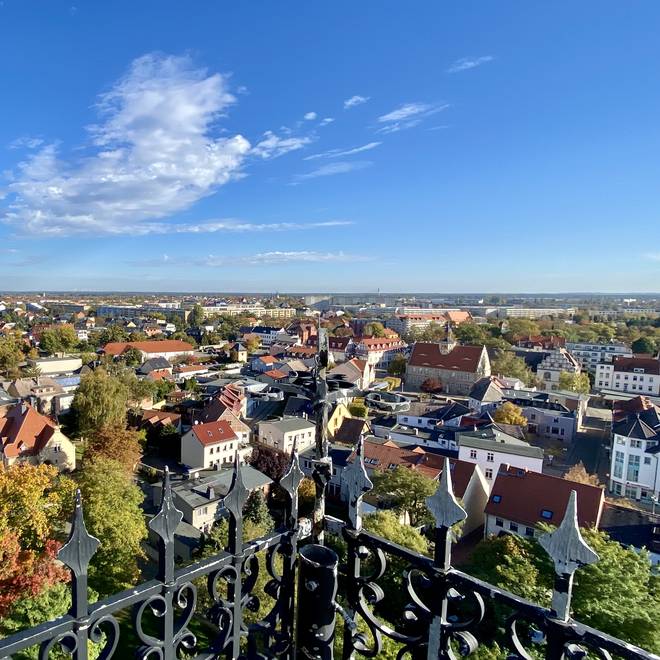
<point>273,146</point>
<point>408,115</point>
<point>331,169</point>
<point>355,100</point>
<point>339,153</point>
<point>154,152</point>
<point>310,116</point>
<point>465,63</point>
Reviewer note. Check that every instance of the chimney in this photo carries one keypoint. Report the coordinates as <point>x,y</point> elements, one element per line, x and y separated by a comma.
<point>210,492</point>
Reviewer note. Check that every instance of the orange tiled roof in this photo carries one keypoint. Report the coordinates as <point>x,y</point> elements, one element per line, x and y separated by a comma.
<point>24,431</point>
<point>165,346</point>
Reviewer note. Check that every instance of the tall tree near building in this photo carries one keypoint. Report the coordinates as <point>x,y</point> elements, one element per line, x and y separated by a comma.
<point>374,329</point>
<point>397,366</point>
<point>10,355</point>
<point>574,382</point>
<point>510,365</point>
<point>644,345</point>
<point>100,401</point>
<point>118,443</point>
<point>196,316</point>
<point>579,474</point>
<point>113,515</point>
<point>509,413</point>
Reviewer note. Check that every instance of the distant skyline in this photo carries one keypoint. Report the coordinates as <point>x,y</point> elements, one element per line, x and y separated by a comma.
<point>469,148</point>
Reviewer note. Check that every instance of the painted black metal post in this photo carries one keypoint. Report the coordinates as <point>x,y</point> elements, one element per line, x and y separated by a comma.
<point>317,588</point>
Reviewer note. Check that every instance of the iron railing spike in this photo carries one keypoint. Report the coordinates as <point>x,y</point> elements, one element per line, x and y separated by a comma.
<point>358,484</point>
<point>443,504</point>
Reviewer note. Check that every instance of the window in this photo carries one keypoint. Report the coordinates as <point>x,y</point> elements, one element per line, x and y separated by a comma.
<point>497,499</point>
<point>473,453</point>
<point>546,514</point>
<point>513,526</point>
<point>637,444</point>
<point>489,473</point>
<point>499,522</point>
<point>529,531</point>
<point>490,457</point>
<point>633,468</point>
<point>647,460</point>
<point>619,457</point>
<point>532,416</point>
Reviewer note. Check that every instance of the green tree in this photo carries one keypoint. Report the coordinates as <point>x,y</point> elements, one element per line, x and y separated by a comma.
<point>397,366</point>
<point>113,514</point>
<point>196,316</point>
<point>644,345</point>
<point>374,329</point>
<point>357,409</point>
<point>574,382</point>
<point>406,490</point>
<point>509,413</point>
<point>518,328</point>
<point>471,333</point>
<point>387,525</point>
<point>49,341</point>
<point>431,386</point>
<point>162,388</point>
<point>132,357</point>
<point>510,365</point>
<point>100,400</point>
<point>256,510</point>
<point>10,355</point>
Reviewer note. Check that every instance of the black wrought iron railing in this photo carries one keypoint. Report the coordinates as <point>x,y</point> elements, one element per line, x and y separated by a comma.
<point>446,606</point>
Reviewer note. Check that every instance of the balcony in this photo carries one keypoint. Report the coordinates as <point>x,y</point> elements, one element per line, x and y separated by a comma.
<point>314,603</point>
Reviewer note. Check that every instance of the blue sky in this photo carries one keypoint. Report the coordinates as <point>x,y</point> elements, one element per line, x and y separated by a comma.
<point>344,146</point>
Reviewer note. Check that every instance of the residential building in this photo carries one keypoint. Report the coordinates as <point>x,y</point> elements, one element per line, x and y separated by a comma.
<point>553,365</point>
<point>337,415</point>
<point>632,528</point>
<point>167,348</point>
<point>201,497</point>
<point>591,355</point>
<point>43,393</point>
<point>26,435</point>
<point>358,373</point>
<point>468,482</point>
<point>266,334</point>
<point>457,370</point>
<point>351,430</point>
<point>639,375</point>
<point>635,456</point>
<point>211,444</point>
<point>542,342</point>
<point>535,312</point>
<point>491,448</point>
<point>286,433</point>
<point>520,500</point>
<point>378,352</point>
<point>154,364</point>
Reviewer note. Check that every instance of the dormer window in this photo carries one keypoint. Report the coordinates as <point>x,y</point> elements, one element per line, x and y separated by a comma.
<point>546,514</point>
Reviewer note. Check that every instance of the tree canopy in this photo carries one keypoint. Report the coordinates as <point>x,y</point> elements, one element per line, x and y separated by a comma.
<point>574,382</point>
<point>397,366</point>
<point>508,364</point>
<point>644,345</point>
<point>113,515</point>
<point>509,413</point>
<point>10,355</point>
<point>117,443</point>
<point>100,400</point>
<point>406,490</point>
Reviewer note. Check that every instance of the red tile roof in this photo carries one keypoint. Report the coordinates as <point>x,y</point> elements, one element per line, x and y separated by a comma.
<point>190,368</point>
<point>24,431</point>
<point>214,432</point>
<point>275,374</point>
<point>160,374</point>
<point>388,455</point>
<point>160,417</point>
<point>524,495</point>
<point>164,346</point>
<point>638,404</point>
<point>458,316</point>
<point>268,359</point>
<point>629,364</point>
<point>461,358</point>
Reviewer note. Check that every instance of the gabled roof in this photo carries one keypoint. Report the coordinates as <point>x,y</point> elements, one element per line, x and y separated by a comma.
<point>492,439</point>
<point>153,364</point>
<point>643,425</point>
<point>486,390</point>
<point>275,374</point>
<point>522,496</point>
<point>24,431</point>
<point>388,455</point>
<point>461,358</point>
<point>298,406</point>
<point>213,433</point>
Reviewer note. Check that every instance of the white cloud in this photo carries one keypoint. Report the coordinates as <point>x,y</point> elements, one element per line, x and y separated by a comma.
<point>273,146</point>
<point>327,120</point>
<point>465,63</point>
<point>153,153</point>
<point>309,116</point>
<point>652,256</point>
<point>227,226</point>
<point>408,115</point>
<point>279,257</point>
<point>338,153</point>
<point>355,100</point>
<point>26,142</point>
<point>331,169</point>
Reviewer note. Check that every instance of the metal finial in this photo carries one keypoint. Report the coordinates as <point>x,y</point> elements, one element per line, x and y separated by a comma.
<point>294,475</point>
<point>565,545</point>
<point>168,518</point>
<point>237,495</point>
<point>442,504</point>
<point>358,483</point>
<point>81,546</point>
